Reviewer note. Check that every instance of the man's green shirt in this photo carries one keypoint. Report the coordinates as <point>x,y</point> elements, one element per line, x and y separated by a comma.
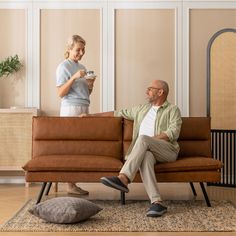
<point>168,121</point>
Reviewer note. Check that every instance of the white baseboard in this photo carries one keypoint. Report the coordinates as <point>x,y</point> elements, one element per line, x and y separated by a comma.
<point>12,179</point>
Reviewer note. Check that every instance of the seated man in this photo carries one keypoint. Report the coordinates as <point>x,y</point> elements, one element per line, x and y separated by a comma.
<point>155,132</point>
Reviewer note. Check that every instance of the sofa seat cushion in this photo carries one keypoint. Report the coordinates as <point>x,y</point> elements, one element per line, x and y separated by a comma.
<point>73,163</point>
<point>189,164</point>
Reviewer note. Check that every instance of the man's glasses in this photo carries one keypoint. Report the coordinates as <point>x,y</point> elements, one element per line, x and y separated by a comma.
<point>152,88</point>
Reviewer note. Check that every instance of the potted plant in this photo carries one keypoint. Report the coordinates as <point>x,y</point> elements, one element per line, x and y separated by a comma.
<point>10,65</point>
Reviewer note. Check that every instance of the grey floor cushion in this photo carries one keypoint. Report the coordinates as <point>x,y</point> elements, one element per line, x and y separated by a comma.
<point>63,210</point>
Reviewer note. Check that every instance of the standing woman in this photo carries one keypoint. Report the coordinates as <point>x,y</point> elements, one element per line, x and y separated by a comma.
<point>73,88</point>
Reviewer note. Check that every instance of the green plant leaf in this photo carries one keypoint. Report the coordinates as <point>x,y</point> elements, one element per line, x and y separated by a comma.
<point>10,65</point>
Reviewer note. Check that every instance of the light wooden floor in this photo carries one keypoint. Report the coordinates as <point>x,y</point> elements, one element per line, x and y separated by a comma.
<point>13,196</point>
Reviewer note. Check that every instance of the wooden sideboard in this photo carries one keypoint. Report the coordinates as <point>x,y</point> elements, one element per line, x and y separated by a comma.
<point>15,137</point>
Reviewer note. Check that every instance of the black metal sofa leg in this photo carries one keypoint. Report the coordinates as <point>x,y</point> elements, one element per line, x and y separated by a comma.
<point>48,188</point>
<point>205,194</point>
<point>193,189</point>
<point>122,198</point>
<point>41,192</point>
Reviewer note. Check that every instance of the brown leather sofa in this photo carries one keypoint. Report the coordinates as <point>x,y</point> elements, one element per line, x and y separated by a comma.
<point>70,149</point>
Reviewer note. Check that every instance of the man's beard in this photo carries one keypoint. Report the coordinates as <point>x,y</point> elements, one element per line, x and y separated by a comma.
<point>150,100</point>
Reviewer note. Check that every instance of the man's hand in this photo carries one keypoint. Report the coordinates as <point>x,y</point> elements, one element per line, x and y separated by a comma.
<point>162,136</point>
<point>104,114</point>
<point>83,115</point>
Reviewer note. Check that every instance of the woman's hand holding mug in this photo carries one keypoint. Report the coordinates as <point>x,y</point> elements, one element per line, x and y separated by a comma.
<point>79,74</point>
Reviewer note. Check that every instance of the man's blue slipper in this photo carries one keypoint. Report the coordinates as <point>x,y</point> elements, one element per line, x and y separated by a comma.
<point>156,210</point>
<point>114,182</point>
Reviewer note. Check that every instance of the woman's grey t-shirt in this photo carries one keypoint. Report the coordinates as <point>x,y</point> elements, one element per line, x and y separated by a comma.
<point>79,91</point>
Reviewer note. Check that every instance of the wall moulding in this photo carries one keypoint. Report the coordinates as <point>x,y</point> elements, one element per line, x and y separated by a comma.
<point>107,37</point>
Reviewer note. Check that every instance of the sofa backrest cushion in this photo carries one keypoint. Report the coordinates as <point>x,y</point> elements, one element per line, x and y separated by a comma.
<point>101,136</point>
<point>127,135</point>
<point>194,139</point>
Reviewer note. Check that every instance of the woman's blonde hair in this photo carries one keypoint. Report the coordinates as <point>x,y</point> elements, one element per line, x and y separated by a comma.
<point>71,43</point>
